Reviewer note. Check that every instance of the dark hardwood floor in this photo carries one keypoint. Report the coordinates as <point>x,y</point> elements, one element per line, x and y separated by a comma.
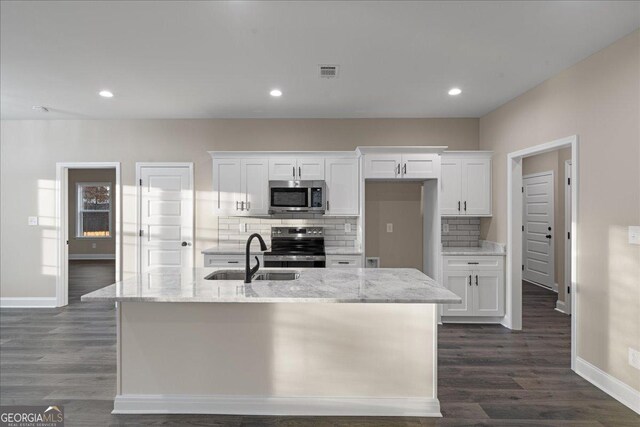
<point>489,376</point>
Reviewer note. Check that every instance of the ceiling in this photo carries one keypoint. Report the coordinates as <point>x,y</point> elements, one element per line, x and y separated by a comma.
<point>221,59</point>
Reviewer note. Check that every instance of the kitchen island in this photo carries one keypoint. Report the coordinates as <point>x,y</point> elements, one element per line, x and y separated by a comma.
<point>330,342</point>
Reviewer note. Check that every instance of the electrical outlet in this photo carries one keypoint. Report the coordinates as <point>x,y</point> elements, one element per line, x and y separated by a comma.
<point>347,227</point>
<point>634,358</point>
<point>445,228</point>
<point>33,220</point>
<point>389,227</point>
<point>242,227</point>
<point>93,246</point>
<point>634,235</point>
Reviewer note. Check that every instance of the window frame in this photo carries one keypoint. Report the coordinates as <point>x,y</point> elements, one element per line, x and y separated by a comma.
<point>80,208</point>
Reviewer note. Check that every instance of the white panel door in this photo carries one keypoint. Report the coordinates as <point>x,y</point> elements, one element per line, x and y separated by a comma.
<point>255,186</point>
<point>342,186</point>
<point>476,187</point>
<point>450,186</point>
<point>311,169</point>
<point>385,166</point>
<point>226,187</point>
<point>284,169</point>
<point>419,166</point>
<point>538,251</point>
<point>488,293</point>
<point>458,282</point>
<point>166,217</point>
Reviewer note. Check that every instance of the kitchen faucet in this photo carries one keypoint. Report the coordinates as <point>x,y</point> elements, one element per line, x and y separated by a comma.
<point>249,272</point>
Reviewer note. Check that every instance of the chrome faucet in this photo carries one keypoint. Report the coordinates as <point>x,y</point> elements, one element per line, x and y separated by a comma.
<point>248,271</point>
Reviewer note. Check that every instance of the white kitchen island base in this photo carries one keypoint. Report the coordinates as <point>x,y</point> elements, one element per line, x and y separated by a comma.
<point>277,359</point>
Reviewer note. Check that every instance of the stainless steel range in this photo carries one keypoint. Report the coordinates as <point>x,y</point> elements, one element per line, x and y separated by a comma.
<point>296,247</point>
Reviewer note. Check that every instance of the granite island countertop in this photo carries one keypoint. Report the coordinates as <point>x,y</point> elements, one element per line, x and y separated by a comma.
<point>315,285</point>
<point>239,248</point>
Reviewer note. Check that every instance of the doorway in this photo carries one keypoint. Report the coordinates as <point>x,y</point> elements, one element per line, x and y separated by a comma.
<point>88,208</point>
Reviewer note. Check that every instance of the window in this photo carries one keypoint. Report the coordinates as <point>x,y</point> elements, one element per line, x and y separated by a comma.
<point>94,210</point>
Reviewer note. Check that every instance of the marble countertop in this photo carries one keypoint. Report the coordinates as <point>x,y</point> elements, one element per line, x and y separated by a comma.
<point>485,248</point>
<point>315,285</point>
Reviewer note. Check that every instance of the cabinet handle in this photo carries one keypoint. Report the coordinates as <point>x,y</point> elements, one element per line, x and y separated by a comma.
<point>465,205</point>
<point>328,205</point>
<point>473,263</point>
<point>398,169</point>
<point>470,280</point>
<point>404,169</point>
<point>293,169</point>
<point>237,203</point>
<point>242,205</point>
<point>458,206</point>
<point>476,280</point>
<point>247,205</point>
<point>232,262</point>
<point>299,172</point>
<point>343,262</point>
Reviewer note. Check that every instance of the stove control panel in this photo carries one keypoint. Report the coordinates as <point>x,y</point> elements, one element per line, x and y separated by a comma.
<point>300,232</point>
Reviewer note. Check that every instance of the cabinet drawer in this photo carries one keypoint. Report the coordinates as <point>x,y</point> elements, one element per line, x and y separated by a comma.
<point>232,261</point>
<point>454,263</point>
<point>344,261</point>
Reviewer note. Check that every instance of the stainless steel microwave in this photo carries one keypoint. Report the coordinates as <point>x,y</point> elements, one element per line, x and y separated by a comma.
<point>297,197</point>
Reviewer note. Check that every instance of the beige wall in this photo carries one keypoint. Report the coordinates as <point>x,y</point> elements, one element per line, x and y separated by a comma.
<point>597,99</point>
<point>554,161</point>
<point>30,149</point>
<point>401,205</point>
<point>83,246</point>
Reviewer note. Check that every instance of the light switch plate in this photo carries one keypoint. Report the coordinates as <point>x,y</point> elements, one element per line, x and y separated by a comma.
<point>347,227</point>
<point>634,358</point>
<point>389,227</point>
<point>33,220</point>
<point>634,235</point>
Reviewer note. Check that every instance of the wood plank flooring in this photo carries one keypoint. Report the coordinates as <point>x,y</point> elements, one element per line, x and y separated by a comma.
<point>489,376</point>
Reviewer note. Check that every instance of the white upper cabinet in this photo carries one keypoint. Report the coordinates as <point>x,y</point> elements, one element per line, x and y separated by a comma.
<point>255,186</point>
<point>240,187</point>
<point>465,184</point>
<point>342,181</point>
<point>401,166</point>
<point>292,169</point>
<point>226,186</point>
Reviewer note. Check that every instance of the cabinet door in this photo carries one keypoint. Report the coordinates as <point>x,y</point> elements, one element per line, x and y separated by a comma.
<point>226,186</point>
<point>385,166</point>
<point>255,186</point>
<point>420,166</point>
<point>458,283</point>
<point>476,187</point>
<point>283,169</point>
<point>311,169</point>
<point>488,293</point>
<point>450,186</point>
<point>343,196</point>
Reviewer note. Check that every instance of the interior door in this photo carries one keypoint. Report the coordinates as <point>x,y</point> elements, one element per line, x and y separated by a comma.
<point>458,282</point>
<point>476,187</point>
<point>450,186</point>
<point>342,186</point>
<point>538,243</point>
<point>166,216</point>
<point>255,186</point>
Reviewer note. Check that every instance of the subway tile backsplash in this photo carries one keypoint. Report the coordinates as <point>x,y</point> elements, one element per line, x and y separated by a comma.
<point>334,234</point>
<point>463,232</point>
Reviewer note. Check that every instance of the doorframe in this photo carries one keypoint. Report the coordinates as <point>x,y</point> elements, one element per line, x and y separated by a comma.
<point>138,244</point>
<point>513,317</point>
<point>62,222</point>
<point>568,209</point>
<point>554,285</point>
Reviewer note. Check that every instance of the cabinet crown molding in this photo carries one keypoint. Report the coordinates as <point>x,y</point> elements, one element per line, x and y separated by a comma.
<point>401,149</point>
<point>468,153</point>
<point>281,154</point>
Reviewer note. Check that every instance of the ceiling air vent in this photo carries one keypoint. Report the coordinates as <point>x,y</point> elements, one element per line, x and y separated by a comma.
<point>328,71</point>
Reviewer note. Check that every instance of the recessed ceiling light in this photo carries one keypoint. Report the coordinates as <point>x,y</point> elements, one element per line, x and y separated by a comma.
<point>106,94</point>
<point>455,91</point>
<point>40,108</point>
<point>276,92</point>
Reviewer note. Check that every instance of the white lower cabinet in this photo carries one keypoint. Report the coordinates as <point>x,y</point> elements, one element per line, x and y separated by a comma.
<point>230,261</point>
<point>479,281</point>
<point>344,261</point>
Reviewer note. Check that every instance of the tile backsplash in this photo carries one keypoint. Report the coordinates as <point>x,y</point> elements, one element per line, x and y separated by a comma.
<point>334,234</point>
<point>463,232</point>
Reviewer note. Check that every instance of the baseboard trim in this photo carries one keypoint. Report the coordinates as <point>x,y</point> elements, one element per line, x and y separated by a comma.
<point>615,388</point>
<point>561,306</point>
<point>256,405</point>
<point>77,257</point>
<point>32,302</point>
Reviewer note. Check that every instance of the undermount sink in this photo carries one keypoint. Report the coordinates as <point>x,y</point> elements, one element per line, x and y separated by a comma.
<point>261,275</point>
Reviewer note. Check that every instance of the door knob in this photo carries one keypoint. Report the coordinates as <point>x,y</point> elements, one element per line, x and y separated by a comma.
<point>548,236</point>
<point>186,244</point>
